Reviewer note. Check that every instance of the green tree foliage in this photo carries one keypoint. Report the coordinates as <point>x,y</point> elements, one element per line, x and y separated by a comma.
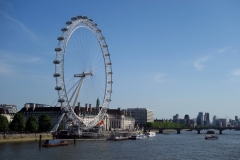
<point>18,123</point>
<point>32,124</point>
<point>149,124</point>
<point>44,123</point>
<point>167,125</point>
<point>3,123</point>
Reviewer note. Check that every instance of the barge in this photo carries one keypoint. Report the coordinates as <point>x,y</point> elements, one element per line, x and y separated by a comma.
<point>54,142</point>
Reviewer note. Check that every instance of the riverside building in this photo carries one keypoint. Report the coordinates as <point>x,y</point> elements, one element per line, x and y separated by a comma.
<point>141,115</point>
<point>114,119</point>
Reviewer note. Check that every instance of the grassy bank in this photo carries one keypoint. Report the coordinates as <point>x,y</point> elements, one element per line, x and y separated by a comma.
<point>23,137</point>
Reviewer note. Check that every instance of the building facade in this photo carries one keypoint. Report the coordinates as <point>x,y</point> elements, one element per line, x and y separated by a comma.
<point>141,115</point>
<point>12,109</point>
<point>114,118</point>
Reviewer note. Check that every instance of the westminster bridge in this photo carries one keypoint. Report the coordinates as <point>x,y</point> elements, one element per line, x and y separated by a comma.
<point>198,129</point>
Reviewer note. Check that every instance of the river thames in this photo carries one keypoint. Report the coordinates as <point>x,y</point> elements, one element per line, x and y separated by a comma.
<point>187,145</point>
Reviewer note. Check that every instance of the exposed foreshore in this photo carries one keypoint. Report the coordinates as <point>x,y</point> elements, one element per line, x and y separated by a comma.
<point>23,137</point>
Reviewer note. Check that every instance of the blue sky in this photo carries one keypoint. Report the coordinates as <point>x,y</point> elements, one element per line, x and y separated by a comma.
<point>169,56</point>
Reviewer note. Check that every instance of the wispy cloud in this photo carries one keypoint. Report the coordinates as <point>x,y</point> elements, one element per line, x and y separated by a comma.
<point>236,72</point>
<point>222,50</point>
<point>199,63</point>
<point>10,62</point>
<point>160,78</point>
<point>18,23</point>
<point>235,75</point>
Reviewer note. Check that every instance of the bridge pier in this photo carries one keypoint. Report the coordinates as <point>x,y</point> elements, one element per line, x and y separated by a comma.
<point>178,131</point>
<point>160,131</point>
<point>220,131</point>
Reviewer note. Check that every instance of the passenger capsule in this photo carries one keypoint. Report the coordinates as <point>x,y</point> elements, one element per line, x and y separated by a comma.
<point>95,24</point>
<point>58,49</point>
<point>110,82</point>
<point>107,54</point>
<point>56,61</point>
<point>109,63</point>
<point>64,29</point>
<point>84,17</point>
<point>61,100</point>
<point>109,91</point>
<point>79,17</point>
<point>102,38</point>
<point>98,30</point>
<point>69,22</point>
<point>108,100</point>
<point>74,18</point>
<point>105,46</point>
<point>90,20</point>
<point>110,72</point>
<point>60,38</point>
<point>56,75</point>
<point>58,88</point>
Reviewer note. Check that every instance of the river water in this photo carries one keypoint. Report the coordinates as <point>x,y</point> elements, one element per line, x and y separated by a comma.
<point>187,145</point>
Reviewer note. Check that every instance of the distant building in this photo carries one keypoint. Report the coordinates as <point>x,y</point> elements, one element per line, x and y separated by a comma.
<point>53,112</point>
<point>176,118</point>
<point>5,112</point>
<point>214,120</point>
<point>200,119</point>
<point>236,118</point>
<point>12,109</point>
<point>141,115</point>
<point>187,119</point>
<point>114,119</point>
<point>193,122</point>
<point>206,119</point>
<point>221,122</point>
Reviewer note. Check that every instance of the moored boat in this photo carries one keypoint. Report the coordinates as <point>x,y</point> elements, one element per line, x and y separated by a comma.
<point>117,138</point>
<point>54,142</point>
<point>139,136</point>
<point>150,134</point>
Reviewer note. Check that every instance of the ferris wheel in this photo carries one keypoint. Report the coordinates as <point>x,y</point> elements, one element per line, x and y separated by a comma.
<point>83,71</point>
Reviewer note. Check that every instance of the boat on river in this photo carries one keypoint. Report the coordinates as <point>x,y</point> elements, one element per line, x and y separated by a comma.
<point>117,138</point>
<point>210,135</point>
<point>150,134</point>
<point>54,142</point>
<point>139,136</point>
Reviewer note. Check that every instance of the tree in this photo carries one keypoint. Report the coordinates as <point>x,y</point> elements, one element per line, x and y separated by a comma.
<point>3,123</point>
<point>44,123</point>
<point>149,124</point>
<point>18,123</point>
<point>32,124</point>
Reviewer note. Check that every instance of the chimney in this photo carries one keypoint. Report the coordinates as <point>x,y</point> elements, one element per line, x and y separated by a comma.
<point>86,107</point>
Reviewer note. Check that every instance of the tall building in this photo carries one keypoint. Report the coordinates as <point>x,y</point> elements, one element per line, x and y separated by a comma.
<point>176,118</point>
<point>200,119</point>
<point>141,115</point>
<point>206,119</point>
<point>187,119</point>
<point>236,118</point>
<point>214,120</point>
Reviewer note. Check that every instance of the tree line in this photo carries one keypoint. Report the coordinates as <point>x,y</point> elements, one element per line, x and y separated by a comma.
<point>165,125</point>
<point>18,124</point>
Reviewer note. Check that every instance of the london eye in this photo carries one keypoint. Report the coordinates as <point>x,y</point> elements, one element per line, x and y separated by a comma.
<point>83,72</point>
